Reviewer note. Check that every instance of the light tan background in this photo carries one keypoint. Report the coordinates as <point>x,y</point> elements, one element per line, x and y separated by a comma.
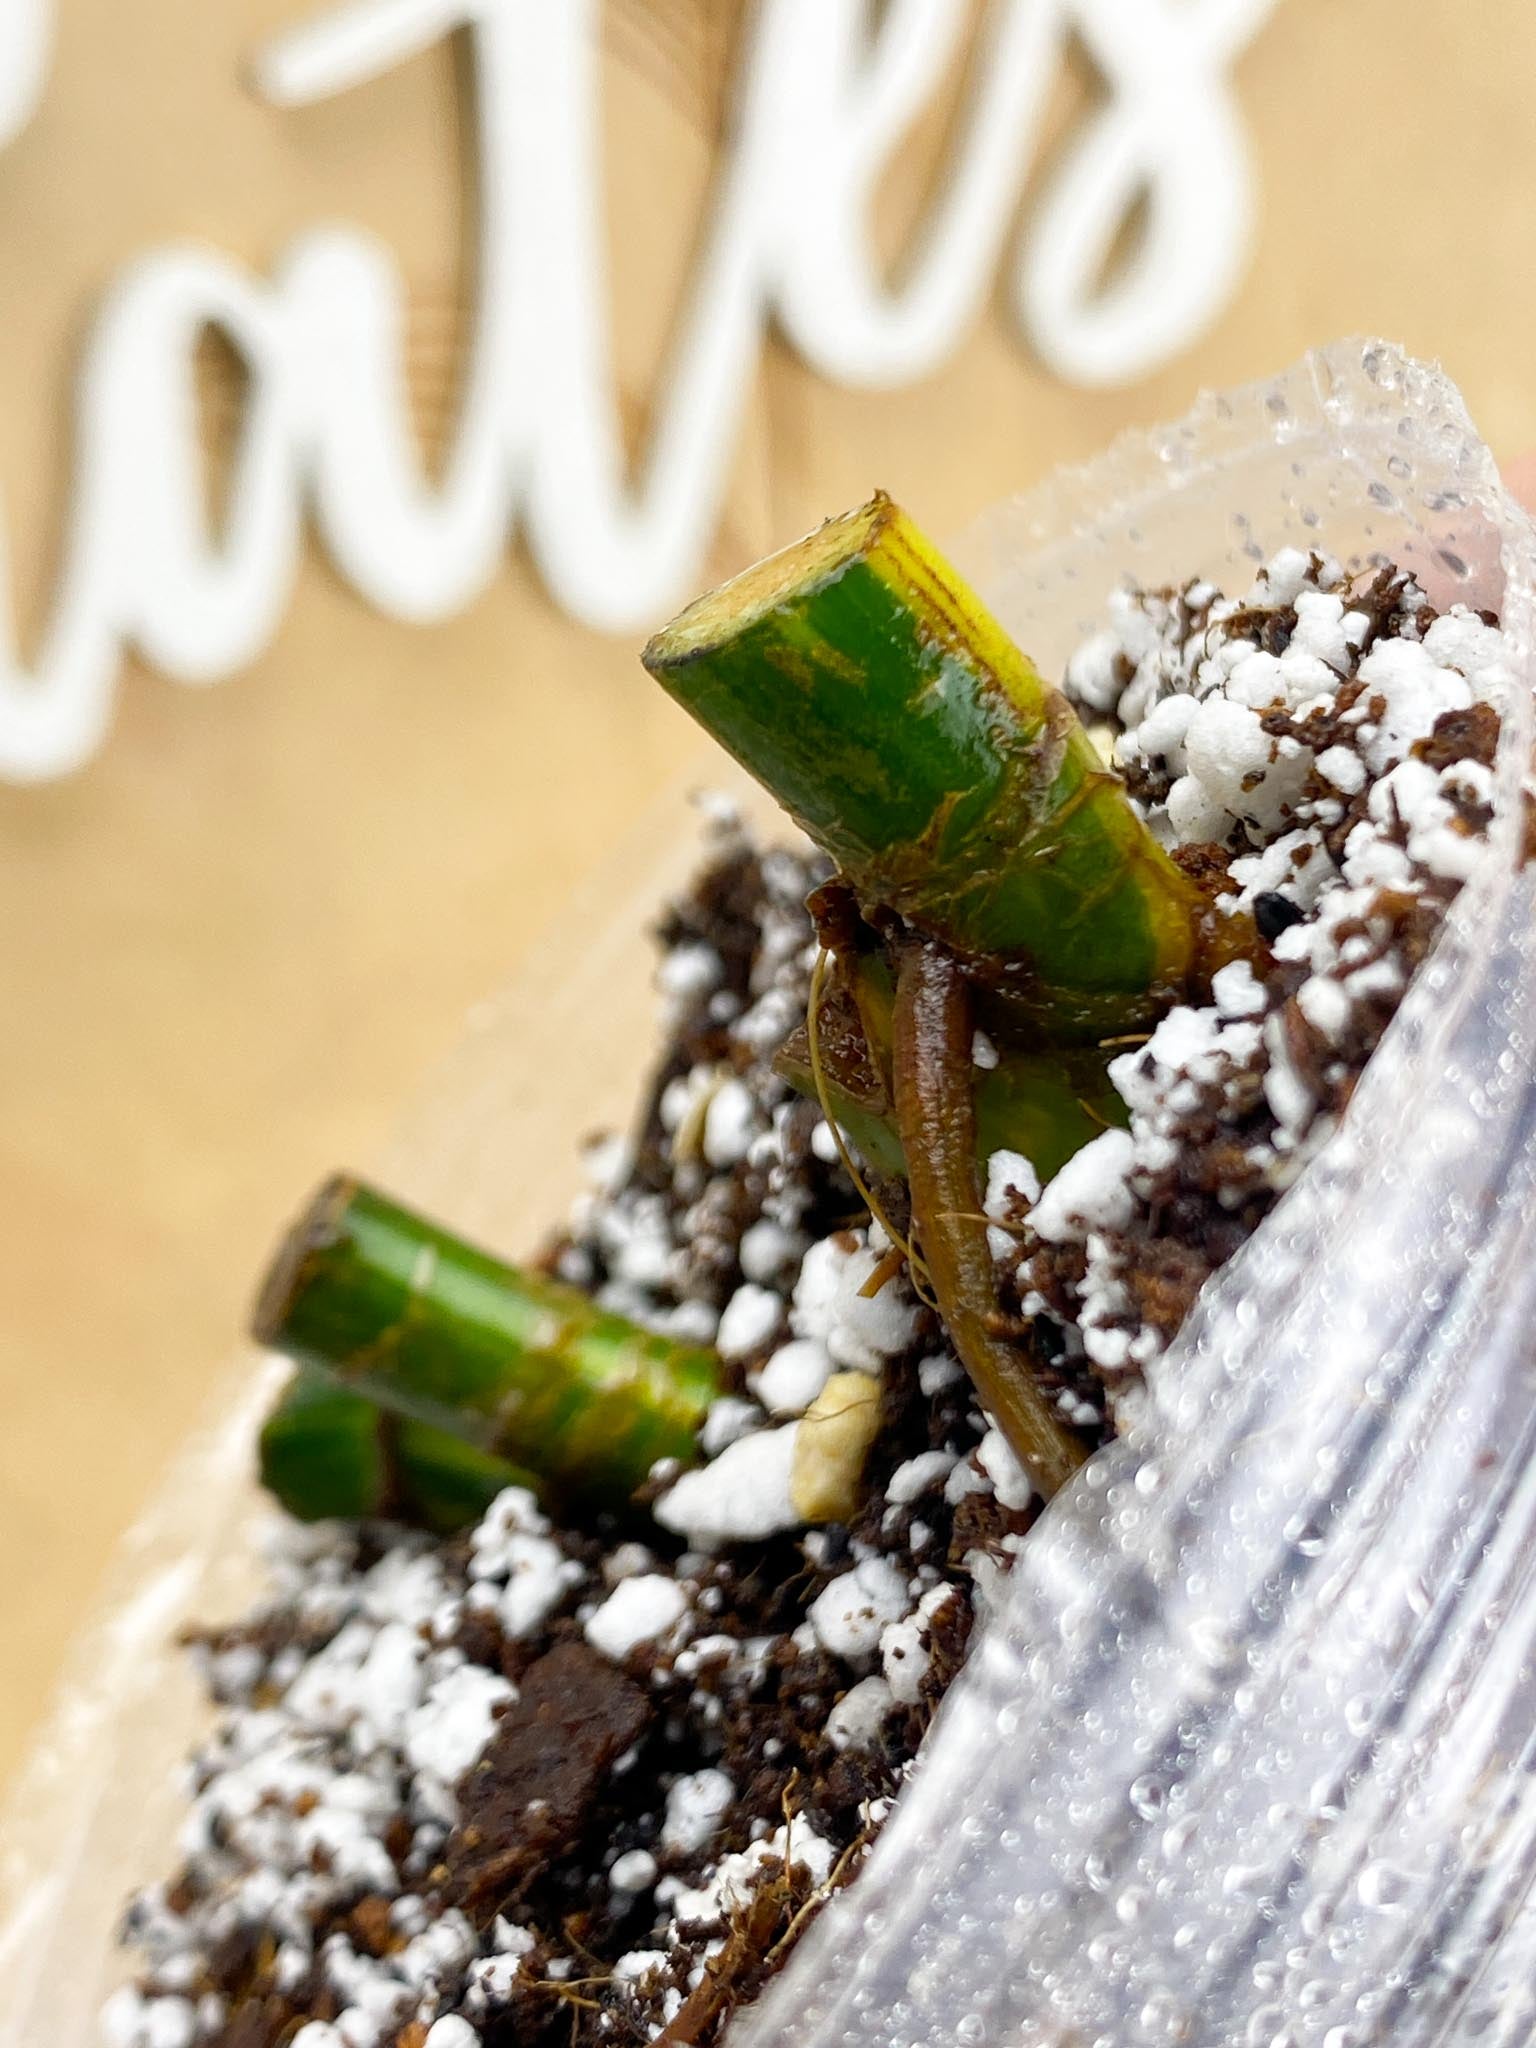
<point>231,944</point>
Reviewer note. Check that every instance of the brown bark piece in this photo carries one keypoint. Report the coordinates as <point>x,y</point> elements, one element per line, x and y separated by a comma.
<point>529,1797</point>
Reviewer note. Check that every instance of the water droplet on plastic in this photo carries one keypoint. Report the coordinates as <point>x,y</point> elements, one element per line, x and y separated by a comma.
<point>1209,1640</point>
<point>1238,1878</point>
<point>1359,1712</point>
<point>1383,1888</point>
<point>1266,2027</point>
<point>1148,1796</point>
<point>1178,1835</point>
<point>1161,2019</point>
<point>1305,1533</point>
<point>1341,1938</point>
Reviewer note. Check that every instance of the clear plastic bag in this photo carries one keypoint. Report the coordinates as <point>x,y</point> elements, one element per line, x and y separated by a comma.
<point>1246,1757</point>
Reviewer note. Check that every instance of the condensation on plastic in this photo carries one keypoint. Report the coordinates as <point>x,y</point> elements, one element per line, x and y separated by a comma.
<point>1246,1755</point>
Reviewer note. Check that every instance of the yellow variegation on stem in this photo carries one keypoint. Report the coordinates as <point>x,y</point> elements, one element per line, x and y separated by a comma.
<point>861,681</point>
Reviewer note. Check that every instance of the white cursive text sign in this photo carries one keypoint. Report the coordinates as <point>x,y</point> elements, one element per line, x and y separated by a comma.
<point>828,91</point>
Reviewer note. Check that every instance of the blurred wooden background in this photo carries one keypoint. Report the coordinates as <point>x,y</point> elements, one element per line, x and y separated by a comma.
<point>233,942</point>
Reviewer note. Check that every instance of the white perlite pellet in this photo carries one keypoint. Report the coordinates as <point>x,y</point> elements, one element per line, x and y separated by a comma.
<point>742,1494</point>
<point>849,1614</point>
<point>857,1719</point>
<point>696,1806</point>
<point>644,1609</point>
<point>752,1318</point>
<point>859,1330</point>
<point>634,1871</point>
<point>794,1376</point>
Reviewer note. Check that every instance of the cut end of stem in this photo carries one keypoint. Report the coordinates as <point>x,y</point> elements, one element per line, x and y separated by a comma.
<point>316,1232</point>
<point>870,690</point>
<point>724,613</point>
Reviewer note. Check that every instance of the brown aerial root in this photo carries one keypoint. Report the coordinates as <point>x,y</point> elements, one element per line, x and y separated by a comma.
<point>902,1249</point>
<point>932,1030</point>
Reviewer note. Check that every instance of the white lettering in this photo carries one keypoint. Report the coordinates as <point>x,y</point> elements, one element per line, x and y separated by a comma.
<point>828,93</point>
<point>847,109</point>
<point>1171,135</point>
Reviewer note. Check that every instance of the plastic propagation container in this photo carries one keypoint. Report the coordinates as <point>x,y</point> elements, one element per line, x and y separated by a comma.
<point>1247,1755</point>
